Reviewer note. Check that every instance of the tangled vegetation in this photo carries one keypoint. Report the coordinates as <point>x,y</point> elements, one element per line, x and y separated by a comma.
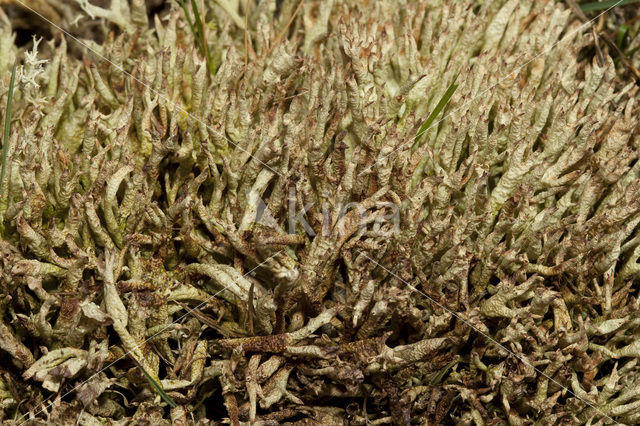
<point>318,212</point>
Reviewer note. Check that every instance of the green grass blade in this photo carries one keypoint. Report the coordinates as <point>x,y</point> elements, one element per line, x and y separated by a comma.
<point>196,15</point>
<point>197,29</point>
<point>156,386</point>
<point>621,34</point>
<point>200,22</point>
<point>602,5</point>
<point>437,378</point>
<point>193,29</point>
<point>7,124</point>
<point>443,102</point>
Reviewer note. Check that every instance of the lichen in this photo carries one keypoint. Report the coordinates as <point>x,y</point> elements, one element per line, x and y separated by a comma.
<point>267,242</point>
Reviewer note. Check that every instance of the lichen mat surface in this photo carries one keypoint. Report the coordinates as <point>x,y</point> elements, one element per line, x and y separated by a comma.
<point>317,212</point>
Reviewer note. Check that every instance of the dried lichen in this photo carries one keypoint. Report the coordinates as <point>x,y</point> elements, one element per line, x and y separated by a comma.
<point>268,244</point>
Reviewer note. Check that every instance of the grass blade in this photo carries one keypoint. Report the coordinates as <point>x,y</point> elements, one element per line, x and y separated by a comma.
<point>156,386</point>
<point>7,124</point>
<point>443,102</point>
<point>198,30</point>
<point>193,29</point>
<point>201,22</point>
<point>621,34</point>
<point>196,15</point>
<point>602,5</point>
<point>437,378</point>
